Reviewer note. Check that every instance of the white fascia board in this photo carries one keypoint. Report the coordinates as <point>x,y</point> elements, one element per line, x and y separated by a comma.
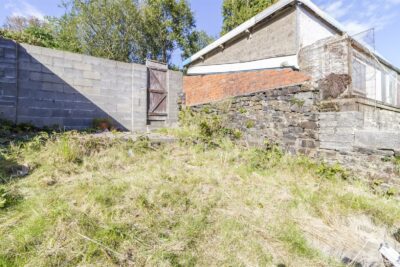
<point>323,15</point>
<point>270,63</point>
<point>238,30</point>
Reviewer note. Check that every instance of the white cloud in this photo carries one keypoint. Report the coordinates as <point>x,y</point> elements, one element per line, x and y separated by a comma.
<point>23,8</point>
<point>337,9</point>
<point>358,16</point>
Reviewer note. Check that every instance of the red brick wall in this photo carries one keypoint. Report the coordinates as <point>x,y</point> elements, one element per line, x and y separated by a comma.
<point>202,89</point>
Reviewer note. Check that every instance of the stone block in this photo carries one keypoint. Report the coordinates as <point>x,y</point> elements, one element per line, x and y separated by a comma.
<point>55,87</point>
<point>336,137</point>
<point>342,146</point>
<point>309,125</point>
<point>82,66</point>
<point>94,75</point>
<point>52,53</point>
<point>377,140</point>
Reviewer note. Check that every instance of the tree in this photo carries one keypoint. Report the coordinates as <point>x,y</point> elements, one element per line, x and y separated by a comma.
<point>124,30</point>
<point>167,25</point>
<point>235,12</point>
<point>65,28</point>
<point>20,23</point>
<point>197,41</point>
<point>103,28</point>
<point>29,30</point>
<point>127,30</point>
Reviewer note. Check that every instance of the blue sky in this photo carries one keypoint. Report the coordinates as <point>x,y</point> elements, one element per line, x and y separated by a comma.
<point>355,15</point>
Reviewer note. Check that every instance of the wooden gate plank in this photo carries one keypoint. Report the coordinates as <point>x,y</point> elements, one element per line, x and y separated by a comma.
<point>157,89</point>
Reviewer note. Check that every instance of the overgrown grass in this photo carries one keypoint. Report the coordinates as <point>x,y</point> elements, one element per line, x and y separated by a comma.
<point>106,202</point>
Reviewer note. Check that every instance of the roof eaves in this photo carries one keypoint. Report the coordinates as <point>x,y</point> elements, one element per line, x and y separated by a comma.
<point>240,29</point>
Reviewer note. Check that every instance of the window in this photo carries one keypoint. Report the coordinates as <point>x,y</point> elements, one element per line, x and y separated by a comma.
<point>359,76</point>
<point>383,86</point>
<point>392,91</point>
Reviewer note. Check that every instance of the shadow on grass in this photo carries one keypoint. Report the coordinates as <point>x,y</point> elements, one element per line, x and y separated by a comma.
<point>16,136</point>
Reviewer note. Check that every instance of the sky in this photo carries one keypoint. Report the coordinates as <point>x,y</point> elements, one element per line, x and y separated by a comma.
<point>356,16</point>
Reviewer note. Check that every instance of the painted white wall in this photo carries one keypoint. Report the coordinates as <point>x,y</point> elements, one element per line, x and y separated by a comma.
<point>311,28</point>
<point>379,93</point>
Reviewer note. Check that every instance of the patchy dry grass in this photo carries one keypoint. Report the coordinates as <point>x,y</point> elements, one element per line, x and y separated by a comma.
<point>102,202</point>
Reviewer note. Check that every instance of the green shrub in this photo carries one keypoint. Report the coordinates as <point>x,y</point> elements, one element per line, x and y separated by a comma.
<point>205,127</point>
<point>242,110</point>
<point>264,158</point>
<point>397,164</point>
<point>250,124</point>
<point>332,172</point>
<point>299,102</point>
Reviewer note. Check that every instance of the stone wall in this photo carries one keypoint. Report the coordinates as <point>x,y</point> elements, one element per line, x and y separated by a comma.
<point>286,116</point>
<point>49,87</point>
<point>361,137</point>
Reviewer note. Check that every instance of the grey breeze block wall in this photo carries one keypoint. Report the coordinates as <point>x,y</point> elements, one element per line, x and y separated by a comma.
<point>49,87</point>
<point>272,39</point>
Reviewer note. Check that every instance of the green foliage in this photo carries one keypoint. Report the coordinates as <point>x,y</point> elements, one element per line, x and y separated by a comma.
<point>250,124</point>
<point>167,24</point>
<point>298,102</point>
<point>264,158</point>
<point>168,205</point>
<point>206,127</point>
<point>29,30</point>
<point>108,29</point>
<point>123,30</point>
<point>195,42</point>
<point>332,172</point>
<point>397,164</point>
<point>8,198</point>
<point>242,110</point>
<point>295,240</point>
<point>235,12</point>
<point>35,35</point>
<point>66,31</point>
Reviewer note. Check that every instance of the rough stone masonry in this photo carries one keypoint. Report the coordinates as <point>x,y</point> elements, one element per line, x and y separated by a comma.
<point>294,118</point>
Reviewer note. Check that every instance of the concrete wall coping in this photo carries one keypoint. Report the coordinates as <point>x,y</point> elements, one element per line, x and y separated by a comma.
<point>364,101</point>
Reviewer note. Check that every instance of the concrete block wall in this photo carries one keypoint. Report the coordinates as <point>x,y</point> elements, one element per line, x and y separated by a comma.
<point>8,79</point>
<point>276,38</point>
<point>48,87</point>
<point>175,89</point>
<point>70,90</point>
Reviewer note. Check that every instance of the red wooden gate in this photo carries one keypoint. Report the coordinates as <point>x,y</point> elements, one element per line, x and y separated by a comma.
<point>157,90</point>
